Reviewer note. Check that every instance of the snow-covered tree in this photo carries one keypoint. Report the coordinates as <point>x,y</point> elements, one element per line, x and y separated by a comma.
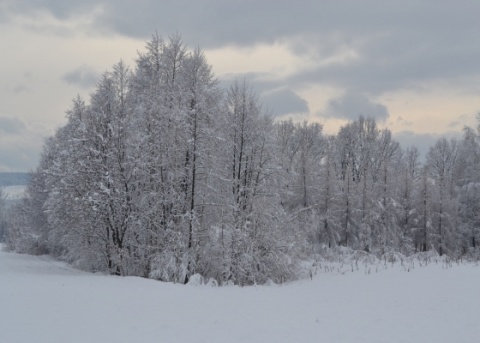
<point>468,183</point>
<point>441,160</point>
<point>408,188</point>
<point>163,174</point>
<point>329,206</point>
<point>253,236</point>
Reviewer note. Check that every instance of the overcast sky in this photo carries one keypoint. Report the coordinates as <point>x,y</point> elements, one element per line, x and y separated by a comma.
<point>413,65</point>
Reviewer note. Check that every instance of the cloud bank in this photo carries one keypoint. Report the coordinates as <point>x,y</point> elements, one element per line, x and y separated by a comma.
<point>284,101</point>
<point>351,105</point>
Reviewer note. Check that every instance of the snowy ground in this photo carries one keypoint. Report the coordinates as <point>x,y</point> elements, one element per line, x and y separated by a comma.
<point>46,301</point>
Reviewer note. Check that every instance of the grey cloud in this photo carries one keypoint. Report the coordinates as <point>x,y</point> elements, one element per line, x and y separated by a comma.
<point>401,60</point>
<point>83,76</point>
<point>20,89</point>
<point>399,44</point>
<point>4,17</point>
<point>13,126</point>
<point>58,8</point>
<point>254,79</point>
<point>244,22</point>
<point>20,144</point>
<point>402,121</point>
<point>461,121</point>
<point>351,105</point>
<point>284,101</point>
<point>423,141</point>
<point>18,157</point>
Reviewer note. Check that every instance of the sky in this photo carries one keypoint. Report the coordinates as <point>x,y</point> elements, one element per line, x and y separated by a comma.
<point>412,65</point>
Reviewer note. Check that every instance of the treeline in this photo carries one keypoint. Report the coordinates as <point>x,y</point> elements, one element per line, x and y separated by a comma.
<point>165,175</point>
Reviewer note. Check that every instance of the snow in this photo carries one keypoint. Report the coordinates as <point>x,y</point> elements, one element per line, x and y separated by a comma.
<point>42,300</point>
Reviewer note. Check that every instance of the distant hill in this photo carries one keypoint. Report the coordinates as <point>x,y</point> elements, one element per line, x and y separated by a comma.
<point>13,179</point>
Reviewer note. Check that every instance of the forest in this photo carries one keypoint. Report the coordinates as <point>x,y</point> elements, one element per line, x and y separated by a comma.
<point>163,174</point>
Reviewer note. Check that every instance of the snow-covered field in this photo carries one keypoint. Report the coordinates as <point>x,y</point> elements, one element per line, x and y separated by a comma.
<point>42,300</point>
<point>14,192</point>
